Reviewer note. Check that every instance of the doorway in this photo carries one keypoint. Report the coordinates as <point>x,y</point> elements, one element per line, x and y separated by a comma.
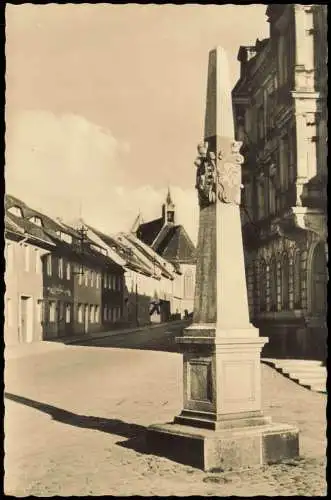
<point>26,333</point>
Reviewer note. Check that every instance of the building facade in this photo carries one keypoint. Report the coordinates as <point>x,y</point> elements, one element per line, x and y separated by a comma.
<point>170,241</point>
<point>58,283</point>
<point>25,247</point>
<point>148,277</point>
<point>280,116</point>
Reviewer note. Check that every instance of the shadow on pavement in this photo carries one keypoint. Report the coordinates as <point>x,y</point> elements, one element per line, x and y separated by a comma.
<point>135,433</point>
<point>111,426</point>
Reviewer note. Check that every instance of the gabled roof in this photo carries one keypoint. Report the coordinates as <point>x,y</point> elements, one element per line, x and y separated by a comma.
<point>153,259</point>
<point>28,228</point>
<point>148,231</point>
<point>176,246</point>
<point>129,256</point>
<point>10,225</point>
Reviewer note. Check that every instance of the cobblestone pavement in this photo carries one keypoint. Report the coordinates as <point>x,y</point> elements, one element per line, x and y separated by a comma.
<point>74,422</point>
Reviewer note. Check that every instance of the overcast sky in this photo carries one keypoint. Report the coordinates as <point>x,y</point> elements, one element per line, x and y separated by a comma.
<point>105,104</point>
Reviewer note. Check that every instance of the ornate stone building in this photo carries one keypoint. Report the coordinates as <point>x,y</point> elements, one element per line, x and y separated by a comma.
<point>281,117</point>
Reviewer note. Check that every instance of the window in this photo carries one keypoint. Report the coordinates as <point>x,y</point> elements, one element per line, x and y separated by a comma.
<point>49,265</point>
<point>80,275</point>
<point>263,286</point>
<point>92,278</point>
<point>15,211</point>
<point>9,256</point>
<point>105,280</point>
<point>110,282</point>
<point>26,258</point>
<point>188,284</point>
<point>60,268</point>
<point>273,285</point>
<point>96,314</point>
<point>64,237</point>
<point>40,311</point>
<point>113,282</point>
<point>52,308</point>
<point>110,314</point>
<point>38,261</point>
<point>60,306</point>
<point>68,271</point>
<point>260,123</point>
<point>297,281</point>
<point>284,162</point>
<point>97,280</point>
<point>105,313</point>
<point>118,313</point>
<point>87,274</point>
<point>68,313</point>
<point>272,194</point>
<point>260,196</point>
<point>36,220</point>
<point>9,313</point>
<point>266,195</point>
<point>80,313</point>
<point>91,314</point>
<point>285,283</point>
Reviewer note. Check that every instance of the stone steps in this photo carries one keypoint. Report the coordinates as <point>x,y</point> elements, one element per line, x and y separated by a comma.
<point>308,373</point>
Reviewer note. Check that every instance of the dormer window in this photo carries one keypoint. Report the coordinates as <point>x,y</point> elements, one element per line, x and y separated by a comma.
<point>17,211</point>
<point>64,237</point>
<point>36,220</point>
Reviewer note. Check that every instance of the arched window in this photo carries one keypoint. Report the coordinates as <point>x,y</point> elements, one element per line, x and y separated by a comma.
<point>319,280</point>
<point>285,283</point>
<point>297,280</point>
<point>273,284</point>
<point>188,284</point>
<point>263,285</point>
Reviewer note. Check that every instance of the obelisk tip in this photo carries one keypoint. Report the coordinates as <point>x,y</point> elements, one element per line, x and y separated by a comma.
<point>219,113</point>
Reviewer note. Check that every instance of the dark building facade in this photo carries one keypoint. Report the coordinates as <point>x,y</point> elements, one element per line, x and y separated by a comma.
<point>280,116</point>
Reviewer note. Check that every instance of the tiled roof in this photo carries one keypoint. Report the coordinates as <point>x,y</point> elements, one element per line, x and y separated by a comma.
<point>10,225</point>
<point>29,228</point>
<point>126,253</point>
<point>148,231</point>
<point>176,246</point>
<point>152,257</point>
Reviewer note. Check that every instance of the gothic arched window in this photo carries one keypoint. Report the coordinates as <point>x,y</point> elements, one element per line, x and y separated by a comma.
<point>285,283</point>
<point>297,280</point>
<point>273,285</point>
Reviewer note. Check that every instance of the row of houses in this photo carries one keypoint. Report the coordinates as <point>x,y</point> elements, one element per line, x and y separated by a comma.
<point>64,280</point>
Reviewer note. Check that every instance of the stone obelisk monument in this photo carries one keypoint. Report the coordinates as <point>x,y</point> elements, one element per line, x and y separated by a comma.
<point>221,424</point>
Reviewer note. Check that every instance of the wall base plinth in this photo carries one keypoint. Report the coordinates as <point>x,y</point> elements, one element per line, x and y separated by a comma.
<point>224,449</point>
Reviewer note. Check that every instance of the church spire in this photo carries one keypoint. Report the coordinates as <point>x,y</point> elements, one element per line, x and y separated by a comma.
<point>168,199</point>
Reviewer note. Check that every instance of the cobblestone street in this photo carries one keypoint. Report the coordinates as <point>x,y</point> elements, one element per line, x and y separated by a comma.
<point>75,417</point>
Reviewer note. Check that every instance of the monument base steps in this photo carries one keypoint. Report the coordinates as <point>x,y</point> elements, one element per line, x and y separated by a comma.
<point>224,449</point>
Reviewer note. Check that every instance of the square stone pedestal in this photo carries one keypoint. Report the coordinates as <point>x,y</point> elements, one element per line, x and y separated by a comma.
<point>224,449</point>
<point>222,425</point>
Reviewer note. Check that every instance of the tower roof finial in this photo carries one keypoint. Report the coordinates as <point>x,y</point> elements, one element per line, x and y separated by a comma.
<point>168,198</point>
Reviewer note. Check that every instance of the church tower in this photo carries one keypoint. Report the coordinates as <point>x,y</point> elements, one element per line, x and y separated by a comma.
<point>168,210</point>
